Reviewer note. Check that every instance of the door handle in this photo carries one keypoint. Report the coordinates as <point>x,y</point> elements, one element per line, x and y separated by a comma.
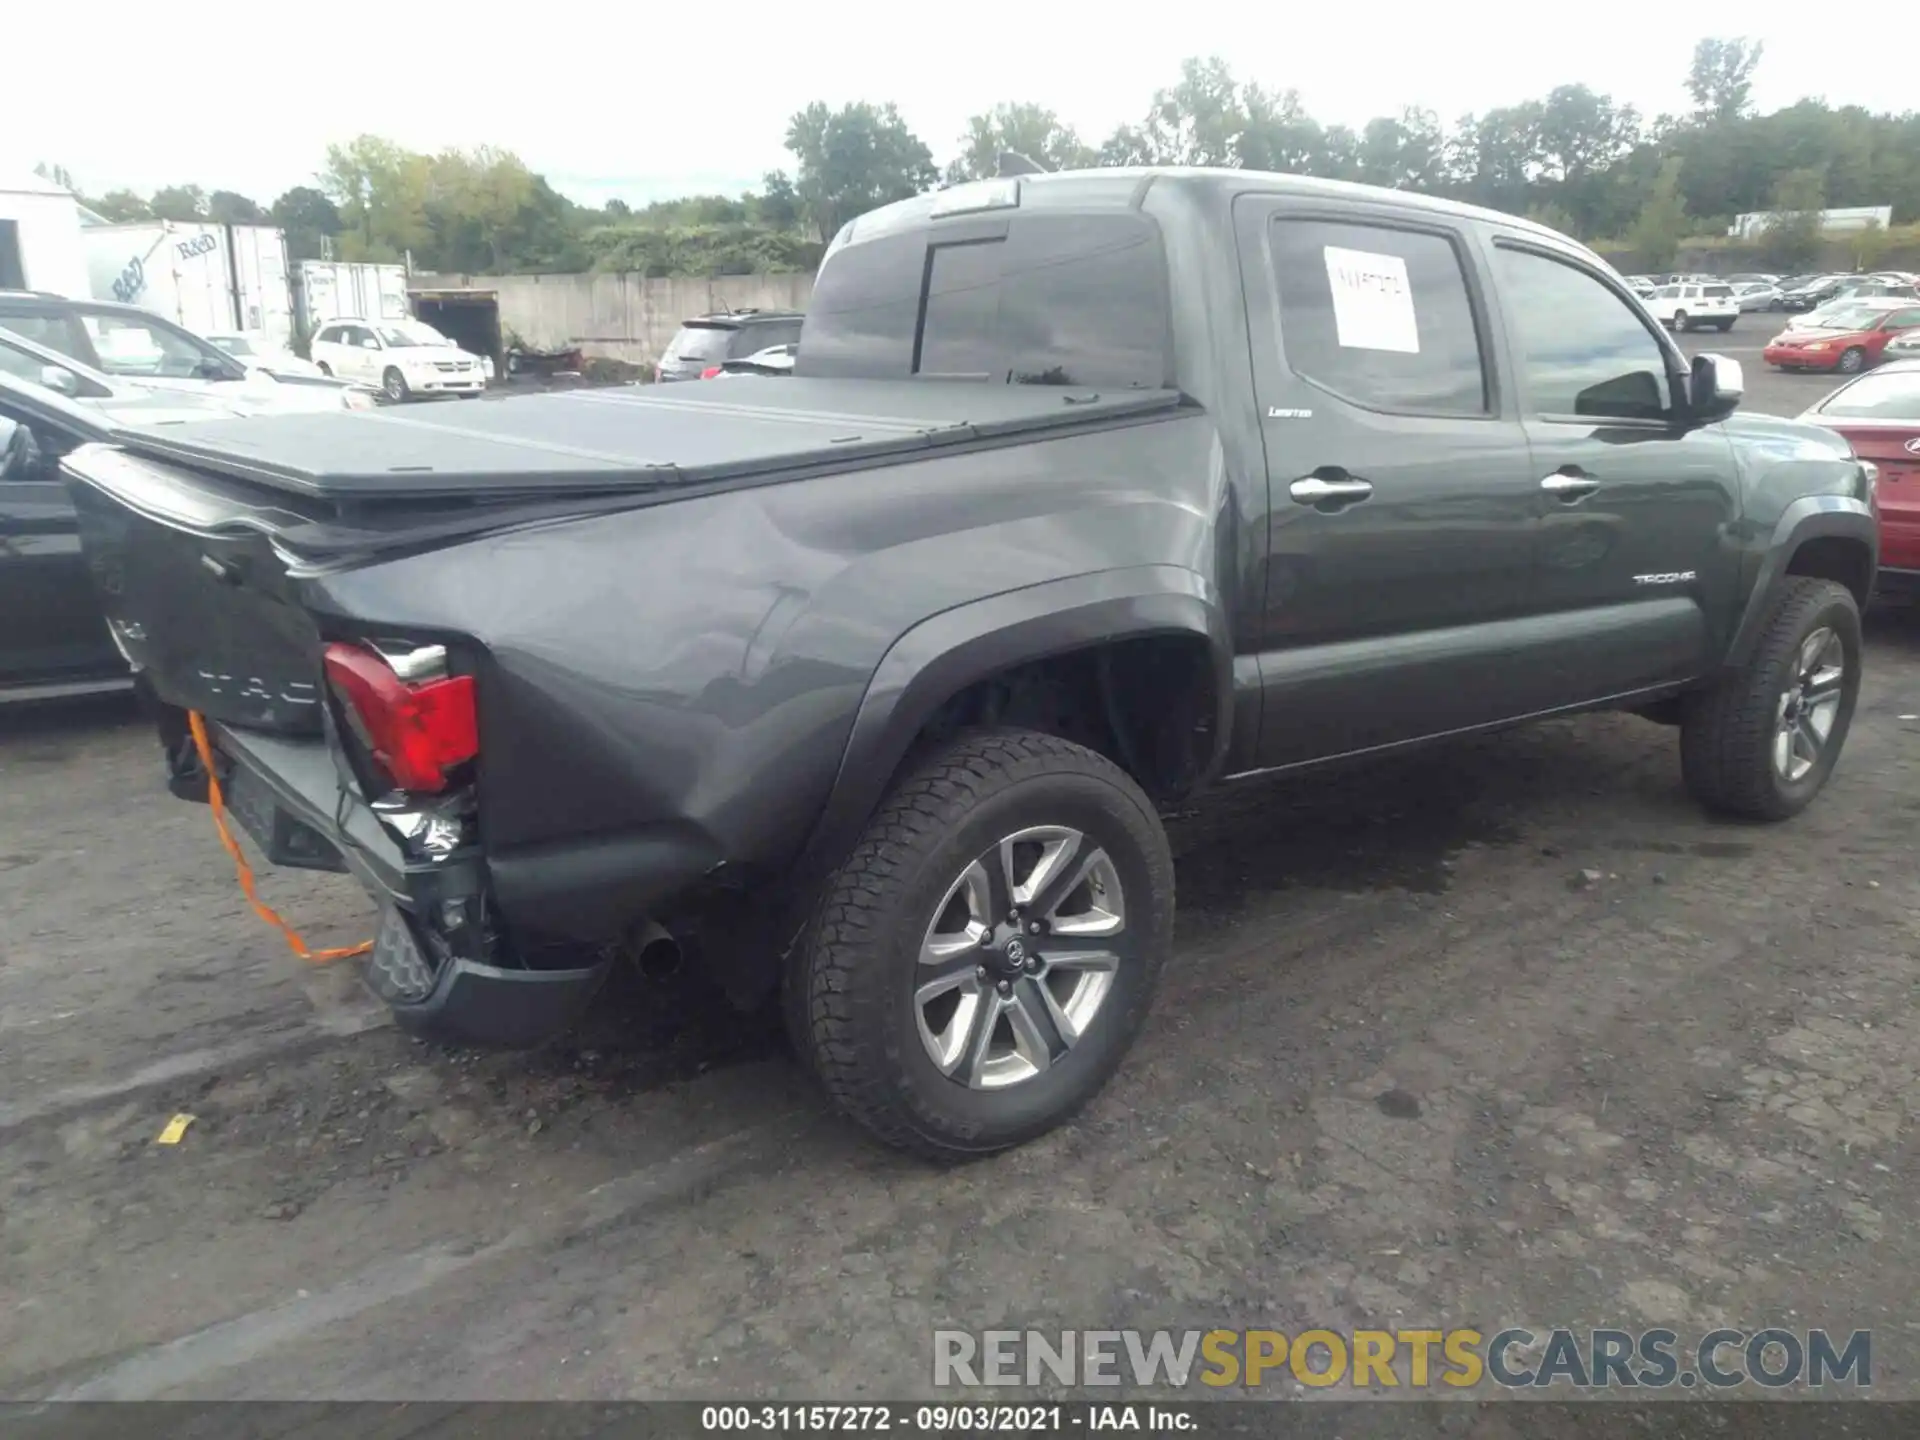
<point>1569,487</point>
<point>1315,491</point>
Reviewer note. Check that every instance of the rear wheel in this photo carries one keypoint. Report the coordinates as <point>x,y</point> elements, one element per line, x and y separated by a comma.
<point>1761,743</point>
<point>1725,326</point>
<point>1852,360</point>
<point>394,385</point>
<point>980,964</point>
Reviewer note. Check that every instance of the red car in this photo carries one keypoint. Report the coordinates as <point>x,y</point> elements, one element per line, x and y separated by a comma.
<point>1848,338</point>
<point>1879,414</point>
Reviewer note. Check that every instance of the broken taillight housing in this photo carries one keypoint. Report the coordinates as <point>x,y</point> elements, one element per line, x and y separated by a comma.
<point>416,730</point>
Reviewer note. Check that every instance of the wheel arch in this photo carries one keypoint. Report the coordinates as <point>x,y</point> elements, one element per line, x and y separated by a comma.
<point>947,654</point>
<point>1830,537</point>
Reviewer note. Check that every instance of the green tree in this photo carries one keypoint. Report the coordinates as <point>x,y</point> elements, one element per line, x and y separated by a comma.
<point>1792,239</point>
<point>472,206</point>
<point>1408,153</point>
<point>1026,129</point>
<point>382,191</point>
<point>1662,223</point>
<point>1199,121</point>
<point>184,203</point>
<point>778,204</point>
<point>853,160</point>
<point>308,219</point>
<point>1721,80</point>
<point>231,208</point>
<point>1869,245</point>
<point>120,207</point>
<point>57,174</point>
<point>1555,217</point>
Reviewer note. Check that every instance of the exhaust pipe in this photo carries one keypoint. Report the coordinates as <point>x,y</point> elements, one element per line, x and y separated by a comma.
<point>658,953</point>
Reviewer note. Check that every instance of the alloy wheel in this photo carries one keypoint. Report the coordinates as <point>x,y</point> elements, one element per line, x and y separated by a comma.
<point>1020,957</point>
<point>1809,705</point>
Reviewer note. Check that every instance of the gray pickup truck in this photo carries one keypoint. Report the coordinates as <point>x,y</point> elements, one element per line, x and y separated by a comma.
<point>1089,491</point>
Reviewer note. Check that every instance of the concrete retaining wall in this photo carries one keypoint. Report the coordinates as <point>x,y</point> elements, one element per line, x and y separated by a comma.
<point>623,317</point>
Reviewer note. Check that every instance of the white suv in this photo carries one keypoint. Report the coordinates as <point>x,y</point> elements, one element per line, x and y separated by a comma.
<point>403,358</point>
<point>1683,307</point>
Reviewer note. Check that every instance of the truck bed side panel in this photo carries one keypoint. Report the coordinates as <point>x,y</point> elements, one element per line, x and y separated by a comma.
<point>669,690</point>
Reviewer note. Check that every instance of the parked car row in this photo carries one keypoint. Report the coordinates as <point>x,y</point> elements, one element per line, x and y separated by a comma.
<point>1798,293</point>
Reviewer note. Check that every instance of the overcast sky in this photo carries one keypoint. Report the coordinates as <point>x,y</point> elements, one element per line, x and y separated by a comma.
<point>660,100</point>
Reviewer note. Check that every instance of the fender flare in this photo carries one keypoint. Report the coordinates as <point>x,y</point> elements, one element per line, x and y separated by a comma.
<point>942,655</point>
<point>1811,517</point>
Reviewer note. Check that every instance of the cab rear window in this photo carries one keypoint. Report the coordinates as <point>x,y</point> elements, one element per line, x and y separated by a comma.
<point>1718,292</point>
<point>1060,298</point>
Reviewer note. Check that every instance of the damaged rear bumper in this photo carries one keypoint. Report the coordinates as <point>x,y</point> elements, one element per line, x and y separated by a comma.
<point>291,797</point>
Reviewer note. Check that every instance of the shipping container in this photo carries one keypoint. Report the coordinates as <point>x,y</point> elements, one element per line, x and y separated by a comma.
<point>339,290</point>
<point>40,238</point>
<point>212,278</point>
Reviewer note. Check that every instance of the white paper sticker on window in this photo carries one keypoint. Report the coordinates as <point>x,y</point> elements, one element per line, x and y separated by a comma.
<point>1372,302</point>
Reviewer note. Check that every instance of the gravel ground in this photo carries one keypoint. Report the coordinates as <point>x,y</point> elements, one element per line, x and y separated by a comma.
<point>1507,1033</point>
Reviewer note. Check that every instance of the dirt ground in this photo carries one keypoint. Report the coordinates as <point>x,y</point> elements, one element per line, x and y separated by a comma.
<point>1506,1033</point>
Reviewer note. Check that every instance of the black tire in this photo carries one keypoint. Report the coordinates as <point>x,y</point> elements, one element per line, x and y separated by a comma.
<point>850,1001</point>
<point>1852,361</point>
<point>394,385</point>
<point>1727,732</point>
<point>1724,326</point>
<point>1682,322</point>
<point>325,369</point>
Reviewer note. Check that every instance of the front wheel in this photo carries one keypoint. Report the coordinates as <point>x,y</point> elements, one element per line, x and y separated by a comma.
<point>326,369</point>
<point>394,385</point>
<point>1761,743</point>
<point>1682,322</point>
<point>978,967</point>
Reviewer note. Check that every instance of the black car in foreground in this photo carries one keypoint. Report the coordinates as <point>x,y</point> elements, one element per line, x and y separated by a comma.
<point>1090,492</point>
<point>53,640</point>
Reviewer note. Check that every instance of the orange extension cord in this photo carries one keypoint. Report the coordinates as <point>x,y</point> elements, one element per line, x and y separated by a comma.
<point>217,804</point>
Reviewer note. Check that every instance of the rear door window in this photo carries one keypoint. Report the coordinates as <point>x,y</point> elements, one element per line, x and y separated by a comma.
<point>702,342</point>
<point>752,339</point>
<point>1379,316</point>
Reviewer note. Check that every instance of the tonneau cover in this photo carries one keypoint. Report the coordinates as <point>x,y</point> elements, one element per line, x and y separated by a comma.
<point>616,439</point>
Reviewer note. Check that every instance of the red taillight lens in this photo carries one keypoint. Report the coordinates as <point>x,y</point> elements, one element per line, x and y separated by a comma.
<point>416,732</point>
<point>709,372</point>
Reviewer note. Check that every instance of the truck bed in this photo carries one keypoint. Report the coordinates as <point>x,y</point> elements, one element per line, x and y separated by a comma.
<point>596,441</point>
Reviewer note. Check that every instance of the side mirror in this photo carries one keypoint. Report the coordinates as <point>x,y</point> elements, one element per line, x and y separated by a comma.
<point>19,455</point>
<point>61,381</point>
<point>1716,388</point>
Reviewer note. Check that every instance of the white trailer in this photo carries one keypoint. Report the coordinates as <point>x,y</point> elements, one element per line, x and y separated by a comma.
<point>344,290</point>
<point>212,278</point>
<point>40,238</point>
<point>1754,223</point>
